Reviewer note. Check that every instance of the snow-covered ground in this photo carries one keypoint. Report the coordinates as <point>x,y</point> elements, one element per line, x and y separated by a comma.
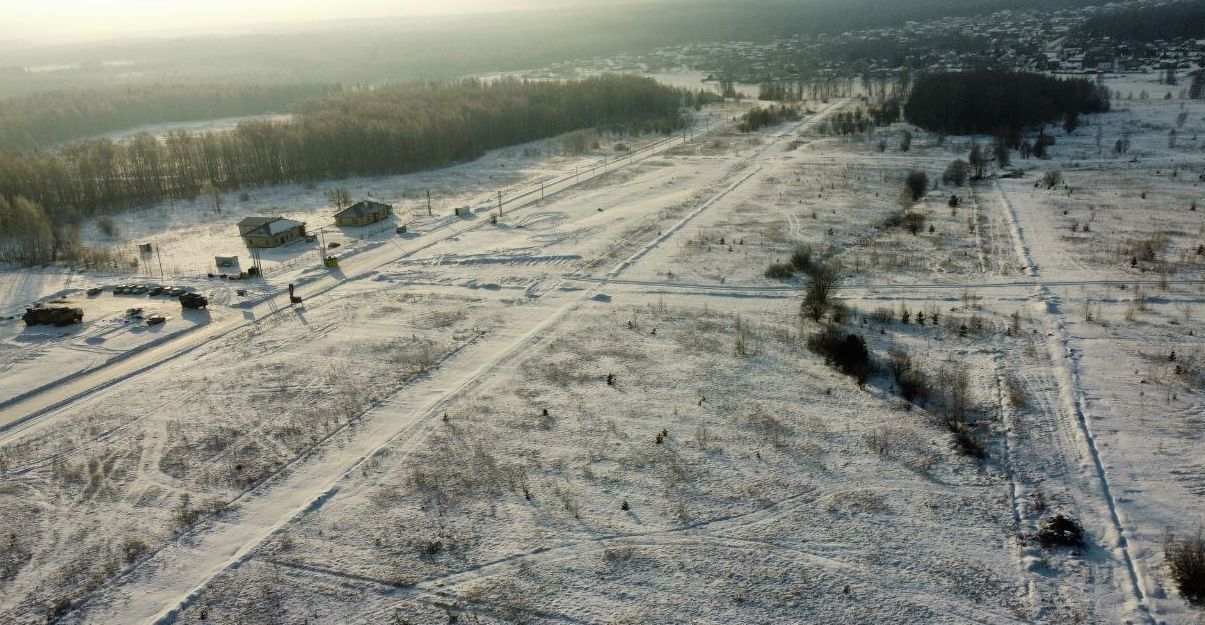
<point>599,409</point>
<point>204,126</point>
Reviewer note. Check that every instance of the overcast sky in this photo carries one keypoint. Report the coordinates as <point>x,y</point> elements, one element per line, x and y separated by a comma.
<point>49,21</point>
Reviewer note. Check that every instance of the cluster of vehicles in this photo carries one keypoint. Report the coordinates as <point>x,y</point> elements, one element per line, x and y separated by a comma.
<point>137,314</point>
<point>67,315</point>
<point>153,290</point>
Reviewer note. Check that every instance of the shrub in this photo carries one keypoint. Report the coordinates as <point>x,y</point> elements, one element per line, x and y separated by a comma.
<point>822,279</point>
<point>106,225</point>
<point>957,173</point>
<point>780,271</point>
<point>1060,531</point>
<point>899,362</point>
<point>1052,179</point>
<point>916,184</point>
<point>1186,558</point>
<point>801,258</point>
<point>846,352</point>
<point>913,385</point>
<point>969,443</point>
<point>1041,145</point>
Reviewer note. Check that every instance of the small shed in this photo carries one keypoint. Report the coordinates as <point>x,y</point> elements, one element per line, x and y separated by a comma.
<point>261,232</point>
<point>362,214</point>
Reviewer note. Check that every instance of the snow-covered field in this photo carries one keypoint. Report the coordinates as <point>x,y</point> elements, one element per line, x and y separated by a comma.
<point>160,130</point>
<point>599,409</point>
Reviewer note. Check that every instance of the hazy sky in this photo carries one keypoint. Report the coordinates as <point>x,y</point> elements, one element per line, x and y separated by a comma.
<point>48,21</point>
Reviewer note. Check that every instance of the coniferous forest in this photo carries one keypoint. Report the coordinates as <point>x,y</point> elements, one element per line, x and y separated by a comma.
<point>997,102</point>
<point>388,130</point>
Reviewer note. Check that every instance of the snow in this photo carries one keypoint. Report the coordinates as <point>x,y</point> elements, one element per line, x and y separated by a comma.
<point>160,131</point>
<point>600,410</point>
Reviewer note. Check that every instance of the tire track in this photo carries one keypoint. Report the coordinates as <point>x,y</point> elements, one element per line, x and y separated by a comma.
<point>179,580</point>
<point>1070,388</point>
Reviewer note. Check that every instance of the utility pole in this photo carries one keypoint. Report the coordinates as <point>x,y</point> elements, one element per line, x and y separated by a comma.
<point>541,190</point>
<point>160,261</point>
<point>428,202</point>
<point>499,203</point>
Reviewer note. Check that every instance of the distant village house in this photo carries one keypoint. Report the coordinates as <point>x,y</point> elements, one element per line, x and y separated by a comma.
<point>362,214</point>
<point>261,232</point>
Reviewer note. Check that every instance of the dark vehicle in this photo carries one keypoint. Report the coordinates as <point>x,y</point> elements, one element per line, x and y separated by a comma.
<point>94,291</point>
<point>155,320</point>
<point>157,290</point>
<point>194,300</point>
<point>57,315</point>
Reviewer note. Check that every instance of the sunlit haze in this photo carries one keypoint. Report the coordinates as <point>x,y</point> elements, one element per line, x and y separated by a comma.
<point>56,20</point>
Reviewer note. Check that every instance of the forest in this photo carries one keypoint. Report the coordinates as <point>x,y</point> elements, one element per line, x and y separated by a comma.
<point>1180,20</point>
<point>51,117</point>
<point>388,130</point>
<point>986,102</point>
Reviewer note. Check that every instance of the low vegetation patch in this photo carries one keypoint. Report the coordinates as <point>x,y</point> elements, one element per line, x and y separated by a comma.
<point>844,351</point>
<point>1058,531</point>
<point>769,116</point>
<point>1186,559</point>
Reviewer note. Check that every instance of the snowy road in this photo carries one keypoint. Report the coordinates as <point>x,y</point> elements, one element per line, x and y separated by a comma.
<point>26,411</point>
<point>157,590</point>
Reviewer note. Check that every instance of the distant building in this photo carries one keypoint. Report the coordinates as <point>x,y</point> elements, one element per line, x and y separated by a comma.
<point>269,231</point>
<point>362,214</point>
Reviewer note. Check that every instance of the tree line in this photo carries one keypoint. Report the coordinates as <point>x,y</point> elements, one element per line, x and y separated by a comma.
<point>982,102</point>
<point>381,131</point>
<point>53,117</point>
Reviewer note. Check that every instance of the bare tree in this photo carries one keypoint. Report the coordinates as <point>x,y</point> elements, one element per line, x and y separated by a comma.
<point>822,279</point>
<point>978,162</point>
<point>338,197</point>
<point>214,194</point>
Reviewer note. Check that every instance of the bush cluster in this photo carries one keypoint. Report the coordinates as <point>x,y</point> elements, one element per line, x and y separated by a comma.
<point>845,351</point>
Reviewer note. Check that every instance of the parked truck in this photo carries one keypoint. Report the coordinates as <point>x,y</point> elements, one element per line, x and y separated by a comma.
<point>194,300</point>
<point>57,315</point>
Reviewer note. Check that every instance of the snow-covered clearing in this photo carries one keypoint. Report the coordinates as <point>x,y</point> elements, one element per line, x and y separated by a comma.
<point>600,410</point>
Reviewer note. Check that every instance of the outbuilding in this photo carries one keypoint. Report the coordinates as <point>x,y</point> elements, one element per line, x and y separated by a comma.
<point>261,232</point>
<point>362,214</point>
